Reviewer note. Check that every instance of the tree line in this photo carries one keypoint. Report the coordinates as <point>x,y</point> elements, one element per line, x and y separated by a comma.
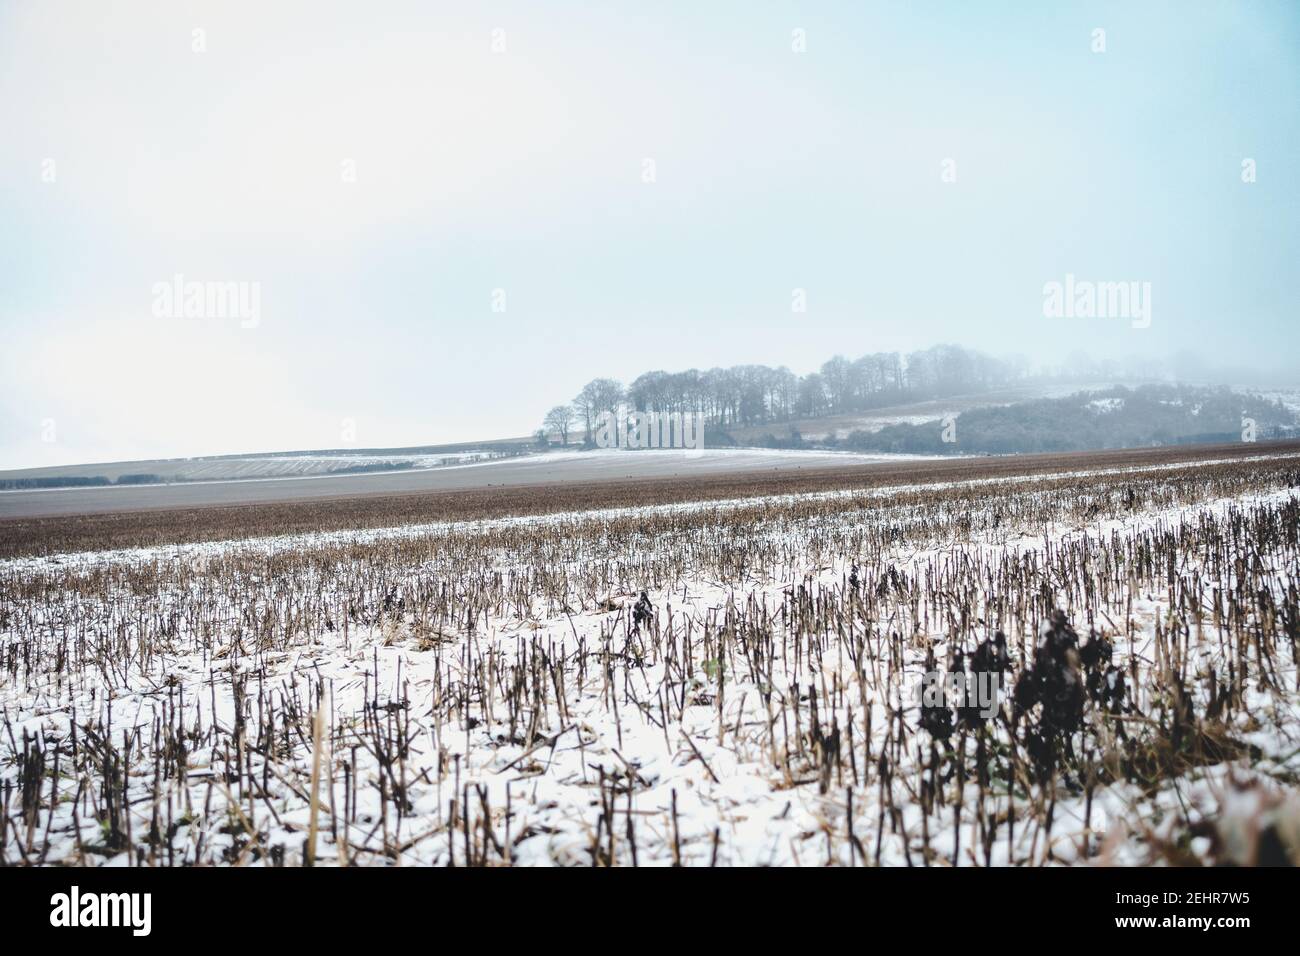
<point>756,394</point>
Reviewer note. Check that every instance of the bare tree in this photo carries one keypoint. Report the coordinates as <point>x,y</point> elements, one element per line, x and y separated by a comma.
<point>584,403</point>
<point>748,394</point>
<point>597,396</point>
<point>836,376</point>
<point>560,419</point>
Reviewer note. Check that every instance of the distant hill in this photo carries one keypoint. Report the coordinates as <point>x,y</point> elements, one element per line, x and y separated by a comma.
<point>296,464</point>
<point>1108,418</point>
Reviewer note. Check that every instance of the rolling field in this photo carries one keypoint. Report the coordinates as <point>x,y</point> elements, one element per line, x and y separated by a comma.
<point>731,670</point>
<point>527,470</point>
<point>147,517</point>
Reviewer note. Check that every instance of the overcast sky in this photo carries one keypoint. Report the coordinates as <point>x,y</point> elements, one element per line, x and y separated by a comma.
<point>379,169</point>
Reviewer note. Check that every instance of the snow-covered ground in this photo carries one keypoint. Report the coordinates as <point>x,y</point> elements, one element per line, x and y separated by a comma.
<point>298,466</point>
<point>260,467</point>
<point>492,693</point>
<point>539,468</point>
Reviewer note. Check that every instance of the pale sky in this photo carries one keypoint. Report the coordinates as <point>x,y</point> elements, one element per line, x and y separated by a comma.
<point>128,157</point>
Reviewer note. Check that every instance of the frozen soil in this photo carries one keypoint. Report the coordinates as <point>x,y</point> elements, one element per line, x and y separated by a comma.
<point>729,682</point>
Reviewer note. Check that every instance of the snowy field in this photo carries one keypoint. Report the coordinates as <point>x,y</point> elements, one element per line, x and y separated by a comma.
<point>429,476</point>
<point>501,692</point>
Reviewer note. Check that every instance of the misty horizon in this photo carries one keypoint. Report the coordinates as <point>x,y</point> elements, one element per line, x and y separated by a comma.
<point>1078,368</point>
<point>446,229</point>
